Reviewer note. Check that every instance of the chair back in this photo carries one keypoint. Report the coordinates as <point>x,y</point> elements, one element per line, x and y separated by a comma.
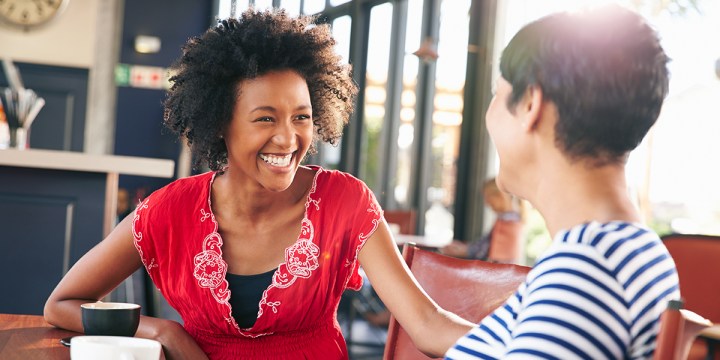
<point>696,258</point>
<point>678,329</point>
<point>406,219</point>
<point>471,289</point>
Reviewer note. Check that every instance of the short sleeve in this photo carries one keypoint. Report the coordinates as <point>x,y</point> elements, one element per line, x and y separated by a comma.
<point>143,236</point>
<point>365,217</point>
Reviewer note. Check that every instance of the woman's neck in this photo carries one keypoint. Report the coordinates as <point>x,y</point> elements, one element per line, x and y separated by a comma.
<point>253,201</point>
<point>569,198</point>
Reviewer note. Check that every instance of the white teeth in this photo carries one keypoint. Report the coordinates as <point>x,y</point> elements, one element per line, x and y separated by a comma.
<point>277,160</point>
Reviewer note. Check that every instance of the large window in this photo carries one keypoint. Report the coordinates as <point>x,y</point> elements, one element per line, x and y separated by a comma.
<point>412,104</point>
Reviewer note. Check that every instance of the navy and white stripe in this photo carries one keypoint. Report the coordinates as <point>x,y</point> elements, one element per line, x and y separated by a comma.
<point>596,293</point>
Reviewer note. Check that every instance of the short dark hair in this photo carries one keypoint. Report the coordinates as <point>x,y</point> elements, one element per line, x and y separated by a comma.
<point>204,89</point>
<point>604,69</point>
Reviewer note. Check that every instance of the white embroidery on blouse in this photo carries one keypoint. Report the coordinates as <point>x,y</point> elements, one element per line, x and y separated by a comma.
<point>301,258</point>
<point>210,269</point>
<point>363,237</point>
<point>204,214</point>
<point>138,236</point>
<point>274,306</point>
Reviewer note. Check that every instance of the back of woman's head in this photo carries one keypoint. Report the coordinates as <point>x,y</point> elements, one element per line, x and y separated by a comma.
<point>201,100</point>
<point>603,68</point>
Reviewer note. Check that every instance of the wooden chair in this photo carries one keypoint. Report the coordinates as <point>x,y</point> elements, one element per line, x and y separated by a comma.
<point>696,258</point>
<point>406,219</point>
<point>678,329</point>
<point>470,288</point>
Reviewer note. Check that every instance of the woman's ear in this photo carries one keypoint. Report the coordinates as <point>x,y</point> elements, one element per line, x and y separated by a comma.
<point>530,107</point>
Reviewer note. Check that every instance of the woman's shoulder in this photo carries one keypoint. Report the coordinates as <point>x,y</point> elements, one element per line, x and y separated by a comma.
<point>341,192</point>
<point>337,179</point>
<point>183,189</point>
<point>606,235</point>
<point>617,244</point>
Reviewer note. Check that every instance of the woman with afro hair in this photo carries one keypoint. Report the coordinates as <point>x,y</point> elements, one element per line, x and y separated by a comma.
<point>256,253</point>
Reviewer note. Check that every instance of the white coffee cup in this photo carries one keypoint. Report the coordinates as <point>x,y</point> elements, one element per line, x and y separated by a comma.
<point>113,348</point>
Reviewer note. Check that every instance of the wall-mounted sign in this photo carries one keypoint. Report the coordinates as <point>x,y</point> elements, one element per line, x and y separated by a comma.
<point>148,77</point>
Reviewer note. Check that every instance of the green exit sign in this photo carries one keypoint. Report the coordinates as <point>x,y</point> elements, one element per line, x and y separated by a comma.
<point>122,74</point>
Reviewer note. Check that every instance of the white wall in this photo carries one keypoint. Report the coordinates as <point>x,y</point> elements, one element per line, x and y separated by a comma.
<point>68,40</point>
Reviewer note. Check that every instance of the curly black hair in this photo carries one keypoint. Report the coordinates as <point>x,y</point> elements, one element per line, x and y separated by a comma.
<point>205,79</point>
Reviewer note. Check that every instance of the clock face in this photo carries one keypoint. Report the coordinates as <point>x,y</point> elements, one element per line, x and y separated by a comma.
<point>29,13</point>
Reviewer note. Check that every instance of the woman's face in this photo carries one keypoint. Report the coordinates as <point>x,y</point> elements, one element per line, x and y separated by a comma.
<point>506,133</point>
<point>271,129</point>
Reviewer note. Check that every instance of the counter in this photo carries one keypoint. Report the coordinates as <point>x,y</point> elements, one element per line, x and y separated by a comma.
<point>75,161</point>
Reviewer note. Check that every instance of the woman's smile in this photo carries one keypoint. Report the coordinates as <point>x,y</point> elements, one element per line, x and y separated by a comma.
<point>277,160</point>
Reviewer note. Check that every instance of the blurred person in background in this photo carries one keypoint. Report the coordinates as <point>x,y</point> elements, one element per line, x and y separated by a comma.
<point>124,204</point>
<point>504,242</point>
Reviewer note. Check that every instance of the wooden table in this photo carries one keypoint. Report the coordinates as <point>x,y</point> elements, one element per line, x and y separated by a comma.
<point>29,337</point>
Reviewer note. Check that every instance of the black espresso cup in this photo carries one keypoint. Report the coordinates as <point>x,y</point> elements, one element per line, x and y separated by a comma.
<point>110,318</point>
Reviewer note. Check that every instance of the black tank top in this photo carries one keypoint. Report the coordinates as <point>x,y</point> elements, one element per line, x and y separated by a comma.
<point>245,294</point>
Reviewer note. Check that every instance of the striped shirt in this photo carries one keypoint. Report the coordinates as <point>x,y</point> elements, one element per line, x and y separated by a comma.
<point>596,293</point>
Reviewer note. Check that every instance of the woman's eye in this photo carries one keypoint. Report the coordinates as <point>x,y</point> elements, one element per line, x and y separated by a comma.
<point>304,117</point>
<point>264,119</point>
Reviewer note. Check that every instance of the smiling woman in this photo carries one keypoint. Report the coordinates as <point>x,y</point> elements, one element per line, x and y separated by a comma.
<point>255,254</point>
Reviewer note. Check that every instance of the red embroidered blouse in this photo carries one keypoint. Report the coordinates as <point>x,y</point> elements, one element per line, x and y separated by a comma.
<point>176,235</point>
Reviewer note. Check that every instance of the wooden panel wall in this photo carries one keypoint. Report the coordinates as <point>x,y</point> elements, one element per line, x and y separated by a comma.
<point>48,219</point>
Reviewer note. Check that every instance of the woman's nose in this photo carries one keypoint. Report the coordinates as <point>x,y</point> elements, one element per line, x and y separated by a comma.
<point>285,134</point>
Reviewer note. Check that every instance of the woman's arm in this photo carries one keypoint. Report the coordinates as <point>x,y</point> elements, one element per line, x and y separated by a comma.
<point>433,329</point>
<point>95,275</point>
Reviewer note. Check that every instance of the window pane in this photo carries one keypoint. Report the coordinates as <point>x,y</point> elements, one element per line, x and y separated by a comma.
<point>329,154</point>
<point>341,28</point>
<point>338,2</point>
<point>292,6</point>
<point>240,6</point>
<point>448,102</point>
<point>376,81</point>
<point>263,4</point>
<point>313,6</point>
<point>406,132</point>
<point>674,171</point>
<point>224,8</point>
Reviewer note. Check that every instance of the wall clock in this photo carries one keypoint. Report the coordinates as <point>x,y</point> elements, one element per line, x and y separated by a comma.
<point>29,14</point>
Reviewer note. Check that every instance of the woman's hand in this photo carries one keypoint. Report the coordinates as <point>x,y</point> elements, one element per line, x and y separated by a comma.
<point>432,328</point>
<point>177,344</point>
